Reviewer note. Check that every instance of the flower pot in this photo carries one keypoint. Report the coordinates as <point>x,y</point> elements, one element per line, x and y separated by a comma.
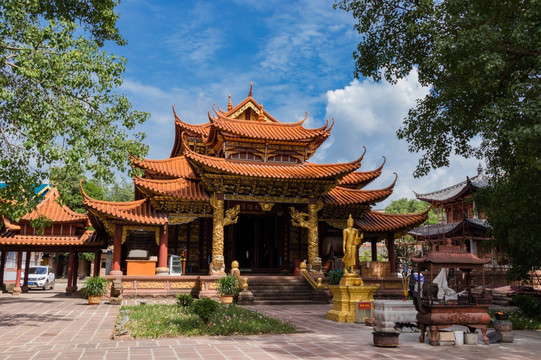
<point>471,338</point>
<point>94,300</point>
<point>227,299</point>
<point>385,339</point>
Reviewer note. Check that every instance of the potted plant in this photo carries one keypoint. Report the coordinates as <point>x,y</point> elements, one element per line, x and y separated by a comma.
<point>94,288</point>
<point>227,288</point>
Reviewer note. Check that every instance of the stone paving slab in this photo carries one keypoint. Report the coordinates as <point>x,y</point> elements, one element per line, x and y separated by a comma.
<point>50,325</point>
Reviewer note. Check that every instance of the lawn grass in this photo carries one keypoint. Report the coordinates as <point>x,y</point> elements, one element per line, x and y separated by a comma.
<point>159,321</point>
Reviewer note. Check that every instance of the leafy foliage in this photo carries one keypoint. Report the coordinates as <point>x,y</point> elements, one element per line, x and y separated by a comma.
<point>58,104</point>
<point>367,256</point>
<point>184,300</point>
<point>95,286</point>
<point>204,308</point>
<point>481,60</point>
<point>227,285</point>
<point>411,206</point>
<point>529,305</point>
<point>335,276</point>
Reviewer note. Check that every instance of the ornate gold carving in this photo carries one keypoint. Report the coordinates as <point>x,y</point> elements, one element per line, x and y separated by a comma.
<point>219,221</point>
<point>154,229</point>
<point>308,221</point>
<point>150,285</point>
<point>266,206</point>
<point>127,284</point>
<point>177,219</point>
<point>274,199</point>
<point>339,224</point>
<point>182,284</point>
<point>253,186</point>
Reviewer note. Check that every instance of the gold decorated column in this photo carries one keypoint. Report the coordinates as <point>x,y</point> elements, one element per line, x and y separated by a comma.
<point>310,222</point>
<point>218,222</point>
<point>313,236</point>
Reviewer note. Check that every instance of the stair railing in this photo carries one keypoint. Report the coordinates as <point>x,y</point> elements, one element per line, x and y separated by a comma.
<point>315,285</point>
<point>242,283</point>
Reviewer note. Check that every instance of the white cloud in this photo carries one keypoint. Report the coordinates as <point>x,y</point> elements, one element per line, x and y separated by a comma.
<point>369,114</point>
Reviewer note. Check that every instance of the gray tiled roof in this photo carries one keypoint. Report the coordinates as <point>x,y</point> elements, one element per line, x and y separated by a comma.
<point>444,230</point>
<point>450,192</point>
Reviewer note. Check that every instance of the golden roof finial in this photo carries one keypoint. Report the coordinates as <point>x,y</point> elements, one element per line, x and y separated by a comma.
<point>251,84</point>
<point>261,115</point>
<point>229,105</point>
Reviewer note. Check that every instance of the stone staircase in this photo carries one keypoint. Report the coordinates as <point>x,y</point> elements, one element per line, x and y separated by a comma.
<point>279,290</point>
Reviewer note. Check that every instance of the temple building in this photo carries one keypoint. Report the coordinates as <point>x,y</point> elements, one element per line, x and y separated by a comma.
<point>242,187</point>
<point>463,223</point>
<point>66,232</point>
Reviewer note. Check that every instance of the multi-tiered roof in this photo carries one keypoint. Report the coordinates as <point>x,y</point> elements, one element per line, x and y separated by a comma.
<point>244,152</point>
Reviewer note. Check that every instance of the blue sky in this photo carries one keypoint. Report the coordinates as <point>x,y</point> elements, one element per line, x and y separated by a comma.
<point>298,54</point>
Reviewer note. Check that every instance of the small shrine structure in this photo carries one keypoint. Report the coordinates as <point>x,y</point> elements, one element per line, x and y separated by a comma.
<point>446,297</point>
<point>67,231</point>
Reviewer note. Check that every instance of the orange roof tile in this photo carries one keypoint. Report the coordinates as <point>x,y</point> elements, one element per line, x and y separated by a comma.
<point>265,130</point>
<point>139,211</point>
<point>381,222</point>
<point>52,210</point>
<point>344,196</point>
<point>359,179</point>
<point>88,238</point>
<point>178,188</point>
<point>199,130</point>
<point>232,110</point>
<point>8,225</point>
<point>177,167</point>
<point>269,170</point>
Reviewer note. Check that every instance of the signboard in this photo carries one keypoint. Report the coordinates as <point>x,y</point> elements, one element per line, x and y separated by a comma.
<point>364,305</point>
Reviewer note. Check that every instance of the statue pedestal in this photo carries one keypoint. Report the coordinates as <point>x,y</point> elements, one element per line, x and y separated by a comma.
<point>346,295</point>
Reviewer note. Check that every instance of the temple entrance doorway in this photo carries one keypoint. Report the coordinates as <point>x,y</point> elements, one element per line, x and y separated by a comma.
<point>254,243</point>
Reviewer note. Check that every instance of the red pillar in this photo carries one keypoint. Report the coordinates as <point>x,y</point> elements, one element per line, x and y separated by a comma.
<point>392,253</point>
<point>97,262</point>
<point>17,288</point>
<point>2,266</point>
<point>117,251</point>
<point>162,268</point>
<point>71,269</point>
<point>26,271</point>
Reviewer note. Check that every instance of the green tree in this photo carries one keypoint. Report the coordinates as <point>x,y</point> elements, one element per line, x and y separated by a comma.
<point>411,206</point>
<point>120,192</point>
<point>58,99</point>
<point>481,60</point>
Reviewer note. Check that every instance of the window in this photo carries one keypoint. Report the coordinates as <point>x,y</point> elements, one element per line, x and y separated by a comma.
<point>245,156</point>
<point>283,158</point>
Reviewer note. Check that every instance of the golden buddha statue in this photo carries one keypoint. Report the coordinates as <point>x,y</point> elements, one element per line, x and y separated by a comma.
<point>350,243</point>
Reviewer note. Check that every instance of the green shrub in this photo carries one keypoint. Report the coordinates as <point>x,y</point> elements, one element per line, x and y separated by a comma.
<point>335,276</point>
<point>95,286</point>
<point>204,308</point>
<point>530,306</point>
<point>184,300</point>
<point>227,285</point>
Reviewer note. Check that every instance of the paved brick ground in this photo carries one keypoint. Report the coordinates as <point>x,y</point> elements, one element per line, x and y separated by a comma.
<point>48,325</point>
